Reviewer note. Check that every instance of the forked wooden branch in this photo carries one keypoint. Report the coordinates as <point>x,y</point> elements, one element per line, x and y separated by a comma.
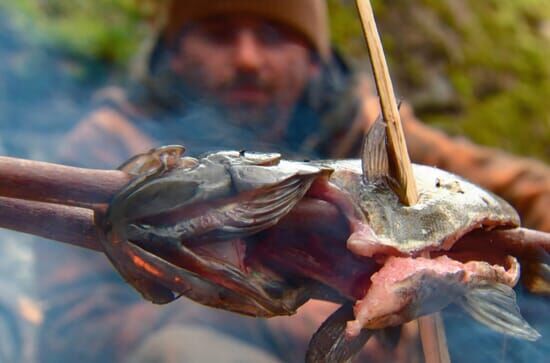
<point>29,213</point>
<point>431,327</point>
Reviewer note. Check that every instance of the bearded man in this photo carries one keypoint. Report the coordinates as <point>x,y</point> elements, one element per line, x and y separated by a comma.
<point>251,74</point>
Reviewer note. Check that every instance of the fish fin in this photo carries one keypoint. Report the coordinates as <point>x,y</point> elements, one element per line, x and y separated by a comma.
<point>155,198</point>
<point>494,305</point>
<point>389,337</point>
<point>161,158</point>
<point>374,154</point>
<point>262,209</point>
<point>330,344</point>
<point>148,288</point>
<point>119,251</point>
<point>238,218</point>
<point>139,164</point>
<point>377,166</point>
<point>535,273</point>
<point>161,281</point>
<point>163,254</point>
<point>152,291</point>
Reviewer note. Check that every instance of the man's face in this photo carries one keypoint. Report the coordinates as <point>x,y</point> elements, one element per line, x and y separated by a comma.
<point>256,70</point>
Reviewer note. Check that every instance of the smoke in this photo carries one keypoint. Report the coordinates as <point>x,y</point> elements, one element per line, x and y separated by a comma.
<point>44,92</point>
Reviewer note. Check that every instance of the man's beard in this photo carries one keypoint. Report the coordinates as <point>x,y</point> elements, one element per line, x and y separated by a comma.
<point>264,118</point>
<point>250,115</point>
<point>247,112</point>
<point>268,120</point>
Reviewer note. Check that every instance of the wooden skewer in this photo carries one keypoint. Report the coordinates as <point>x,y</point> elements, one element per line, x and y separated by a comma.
<point>431,327</point>
<point>397,148</point>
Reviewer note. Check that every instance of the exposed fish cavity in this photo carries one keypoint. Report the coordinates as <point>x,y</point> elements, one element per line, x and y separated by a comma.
<point>410,284</point>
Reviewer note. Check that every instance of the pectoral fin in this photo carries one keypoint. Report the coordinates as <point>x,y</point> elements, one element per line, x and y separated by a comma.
<point>135,271</point>
<point>494,305</point>
<point>149,289</point>
<point>237,217</point>
<point>264,208</point>
<point>330,343</point>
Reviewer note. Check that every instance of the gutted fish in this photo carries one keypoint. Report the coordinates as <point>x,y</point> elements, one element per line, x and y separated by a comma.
<point>225,230</point>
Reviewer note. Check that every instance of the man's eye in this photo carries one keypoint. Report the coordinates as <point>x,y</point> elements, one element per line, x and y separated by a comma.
<point>218,35</point>
<point>266,34</point>
<point>269,34</point>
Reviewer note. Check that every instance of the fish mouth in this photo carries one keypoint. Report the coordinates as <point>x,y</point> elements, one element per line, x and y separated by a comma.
<point>312,245</point>
<point>465,245</point>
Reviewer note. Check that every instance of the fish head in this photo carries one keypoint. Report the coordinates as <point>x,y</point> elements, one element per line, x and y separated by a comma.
<point>179,227</point>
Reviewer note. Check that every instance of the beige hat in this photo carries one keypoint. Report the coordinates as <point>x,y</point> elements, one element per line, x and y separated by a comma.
<point>307,17</point>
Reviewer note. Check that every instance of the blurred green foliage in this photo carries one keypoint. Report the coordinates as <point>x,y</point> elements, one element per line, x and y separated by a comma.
<point>472,67</point>
<point>106,30</point>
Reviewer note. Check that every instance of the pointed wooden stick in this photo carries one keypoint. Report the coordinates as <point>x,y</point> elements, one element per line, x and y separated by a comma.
<point>431,327</point>
<point>397,148</point>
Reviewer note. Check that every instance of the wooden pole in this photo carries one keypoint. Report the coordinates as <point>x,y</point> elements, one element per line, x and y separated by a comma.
<point>431,327</point>
<point>54,183</point>
<point>58,222</point>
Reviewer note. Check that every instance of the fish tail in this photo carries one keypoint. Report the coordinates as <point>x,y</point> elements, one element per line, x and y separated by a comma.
<point>494,305</point>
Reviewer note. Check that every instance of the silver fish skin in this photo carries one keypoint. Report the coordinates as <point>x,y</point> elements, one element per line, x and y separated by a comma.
<point>448,207</point>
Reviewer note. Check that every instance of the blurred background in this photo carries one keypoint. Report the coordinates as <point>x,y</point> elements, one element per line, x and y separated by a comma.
<point>477,68</point>
<point>473,68</point>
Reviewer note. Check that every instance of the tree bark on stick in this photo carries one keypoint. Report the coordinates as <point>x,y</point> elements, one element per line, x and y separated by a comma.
<point>61,223</point>
<point>54,183</point>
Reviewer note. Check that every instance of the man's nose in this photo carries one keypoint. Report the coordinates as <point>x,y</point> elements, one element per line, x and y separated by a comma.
<point>248,51</point>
